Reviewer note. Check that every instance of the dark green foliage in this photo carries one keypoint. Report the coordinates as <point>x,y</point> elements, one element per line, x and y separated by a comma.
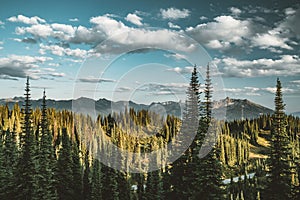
<point>96,183</point>
<point>154,186</point>
<point>279,162</point>
<point>53,154</point>
<point>64,172</point>
<point>87,177</point>
<point>46,161</point>
<point>25,183</point>
<point>9,155</point>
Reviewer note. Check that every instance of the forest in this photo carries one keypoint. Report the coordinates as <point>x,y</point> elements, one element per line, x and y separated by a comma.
<point>52,154</point>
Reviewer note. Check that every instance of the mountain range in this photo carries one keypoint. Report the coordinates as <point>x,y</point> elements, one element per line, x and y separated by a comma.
<point>229,109</point>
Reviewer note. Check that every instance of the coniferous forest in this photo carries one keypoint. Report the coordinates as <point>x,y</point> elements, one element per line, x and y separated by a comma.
<point>56,154</point>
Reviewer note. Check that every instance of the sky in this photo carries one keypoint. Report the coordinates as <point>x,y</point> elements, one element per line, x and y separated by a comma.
<point>144,51</point>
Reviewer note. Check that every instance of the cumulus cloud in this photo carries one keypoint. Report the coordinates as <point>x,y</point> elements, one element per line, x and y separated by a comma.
<point>174,13</point>
<point>271,39</point>
<point>108,35</point>
<point>171,25</point>
<point>60,51</point>
<point>133,18</point>
<point>15,66</point>
<point>290,25</point>
<point>203,18</point>
<point>223,32</point>
<point>26,20</point>
<point>235,11</point>
<point>285,65</point>
<point>37,30</point>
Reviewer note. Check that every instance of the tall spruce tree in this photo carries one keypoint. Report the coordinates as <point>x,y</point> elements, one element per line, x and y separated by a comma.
<point>208,96</point>
<point>46,159</point>
<point>182,175</point>
<point>279,179</point>
<point>96,183</point>
<point>208,170</point>
<point>9,162</point>
<point>64,172</point>
<point>26,169</point>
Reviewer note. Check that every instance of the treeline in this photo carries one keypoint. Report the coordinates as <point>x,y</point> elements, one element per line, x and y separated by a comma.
<point>49,154</point>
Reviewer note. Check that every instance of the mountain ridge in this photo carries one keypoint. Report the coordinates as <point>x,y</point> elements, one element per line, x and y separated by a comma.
<point>229,109</point>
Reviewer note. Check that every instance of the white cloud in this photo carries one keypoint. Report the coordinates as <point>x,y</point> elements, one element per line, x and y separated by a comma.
<point>108,35</point>
<point>235,11</point>
<point>177,56</point>
<point>185,70</point>
<point>16,66</point>
<point>60,51</point>
<point>217,44</point>
<point>63,28</point>
<point>1,23</point>
<point>38,30</point>
<point>273,90</point>
<point>26,20</point>
<point>285,65</point>
<point>290,25</point>
<point>203,18</point>
<point>296,81</point>
<point>133,18</point>
<point>123,38</point>
<point>54,65</point>
<point>222,33</point>
<point>290,11</point>
<point>74,20</point>
<point>254,91</point>
<point>91,79</point>
<point>174,13</point>
<point>171,25</point>
<point>271,39</point>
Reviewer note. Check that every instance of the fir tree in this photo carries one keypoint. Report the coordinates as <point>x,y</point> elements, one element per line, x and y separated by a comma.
<point>208,96</point>
<point>87,177</point>
<point>10,153</point>
<point>46,159</point>
<point>96,183</point>
<point>279,179</point>
<point>182,172</point>
<point>26,169</point>
<point>208,170</point>
<point>154,186</point>
<point>64,172</point>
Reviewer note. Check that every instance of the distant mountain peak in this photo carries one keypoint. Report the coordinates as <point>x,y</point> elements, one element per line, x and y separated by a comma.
<point>234,108</point>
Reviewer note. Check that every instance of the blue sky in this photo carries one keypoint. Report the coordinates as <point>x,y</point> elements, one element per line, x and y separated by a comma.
<point>143,50</point>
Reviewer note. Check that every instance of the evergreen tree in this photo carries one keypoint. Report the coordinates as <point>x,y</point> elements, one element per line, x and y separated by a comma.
<point>182,175</point>
<point>279,179</point>
<point>10,156</point>
<point>76,172</point>
<point>46,159</point>
<point>208,96</point>
<point>208,170</point>
<point>154,186</point>
<point>26,169</point>
<point>64,172</point>
<point>86,178</point>
<point>96,187</point>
